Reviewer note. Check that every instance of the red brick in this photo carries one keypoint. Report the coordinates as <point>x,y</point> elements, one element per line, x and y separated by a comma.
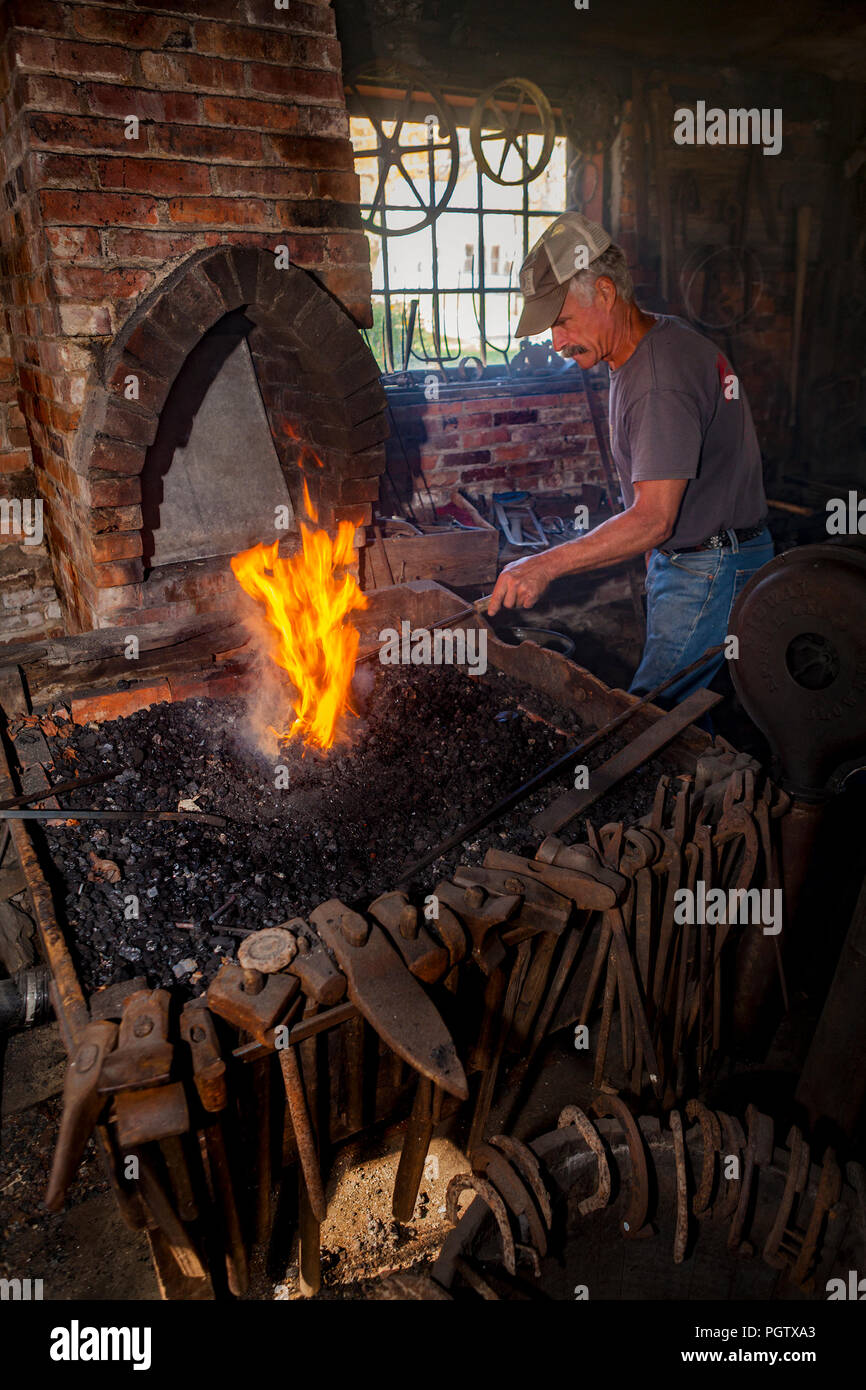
<point>339,184</point>
<point>69,170</point>
<point>295,84</point>
<point>270,182</point>
<point>46,93</point>
<point>118,545</point>
<point>78,60</point>
<point>115,704</point>
<point>124,26</point>
<point>87,319</point>
<point>98,209</point>
<point>106,491</point>
<point>179,70</point>
<point>153,176</point>
<point>234,41</point>
<point>307,152</point>
<point>81,133</point>
<point>327,120</point>
<point>46,15</point>
<point>203,142</point>
<point>114,456</point>
<point>221,212</point>
<point>73,243</point>
<point>117,572</point>
<point>130,245</point>
<point>105,519</point>
<point>250,115</point>
<point>17,462</point>
<point>137,101</point>
<point>90,283</point>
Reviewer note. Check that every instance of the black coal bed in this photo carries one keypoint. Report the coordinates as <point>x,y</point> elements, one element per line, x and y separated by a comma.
<point>431,747</point>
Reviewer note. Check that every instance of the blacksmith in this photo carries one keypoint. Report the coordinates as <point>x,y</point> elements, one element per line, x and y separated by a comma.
<point>683,443</point>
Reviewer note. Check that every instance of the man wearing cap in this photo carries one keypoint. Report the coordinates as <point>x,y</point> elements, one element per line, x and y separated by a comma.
<point>684,445</point>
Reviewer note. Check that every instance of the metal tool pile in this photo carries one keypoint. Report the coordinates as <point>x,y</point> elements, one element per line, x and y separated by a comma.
<point>766,1198</point>
<point>450,990</point>
<point>676,989</point>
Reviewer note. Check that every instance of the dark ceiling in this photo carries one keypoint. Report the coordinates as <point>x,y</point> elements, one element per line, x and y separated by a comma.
<point>809,35</point>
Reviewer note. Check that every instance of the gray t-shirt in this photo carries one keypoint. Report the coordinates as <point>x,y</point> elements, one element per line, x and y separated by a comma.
<point>669,418</point>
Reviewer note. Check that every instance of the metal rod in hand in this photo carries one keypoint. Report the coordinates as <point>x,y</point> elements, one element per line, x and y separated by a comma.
<point>519,793</point>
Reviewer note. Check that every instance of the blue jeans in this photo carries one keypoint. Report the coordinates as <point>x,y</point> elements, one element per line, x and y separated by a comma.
<point>690,595</point>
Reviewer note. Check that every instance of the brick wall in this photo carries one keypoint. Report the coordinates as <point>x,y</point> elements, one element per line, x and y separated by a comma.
<point>533,435</point>
<point>242,141</point>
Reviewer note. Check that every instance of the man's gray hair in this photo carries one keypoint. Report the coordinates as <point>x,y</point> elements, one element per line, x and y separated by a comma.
<point>611,263</point>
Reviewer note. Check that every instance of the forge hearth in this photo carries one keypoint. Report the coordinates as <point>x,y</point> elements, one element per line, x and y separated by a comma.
<point>433,745</point>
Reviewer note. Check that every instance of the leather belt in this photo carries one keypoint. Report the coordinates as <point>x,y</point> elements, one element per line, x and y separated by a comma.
<point>720,541</point>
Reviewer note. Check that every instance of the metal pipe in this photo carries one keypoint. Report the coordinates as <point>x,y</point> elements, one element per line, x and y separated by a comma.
<point>25,999</point>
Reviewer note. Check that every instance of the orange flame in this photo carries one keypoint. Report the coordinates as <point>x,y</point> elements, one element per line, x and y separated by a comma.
<point>307,606</point>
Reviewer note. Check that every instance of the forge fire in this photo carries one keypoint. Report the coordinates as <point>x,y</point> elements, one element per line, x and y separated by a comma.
<point>307,603</point>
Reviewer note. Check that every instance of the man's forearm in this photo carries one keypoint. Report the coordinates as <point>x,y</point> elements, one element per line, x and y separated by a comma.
<point>621,538</point>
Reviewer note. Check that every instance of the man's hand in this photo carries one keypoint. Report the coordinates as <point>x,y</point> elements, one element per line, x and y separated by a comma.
<point>521,584</point>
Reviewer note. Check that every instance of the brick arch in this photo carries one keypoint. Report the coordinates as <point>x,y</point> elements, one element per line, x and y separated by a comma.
<point>319,383</point>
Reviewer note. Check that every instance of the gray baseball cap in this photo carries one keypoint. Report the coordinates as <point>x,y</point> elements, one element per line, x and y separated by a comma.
<point>565,248</point>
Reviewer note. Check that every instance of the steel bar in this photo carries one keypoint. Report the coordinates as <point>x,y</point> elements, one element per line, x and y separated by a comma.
<point>71,785</point>
<point>627,760</point>
<point>63,813</point>
<point>539,778</point>
<point>469,612</point>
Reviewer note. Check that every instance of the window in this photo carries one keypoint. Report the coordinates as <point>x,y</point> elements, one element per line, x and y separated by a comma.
<point>462,265</point>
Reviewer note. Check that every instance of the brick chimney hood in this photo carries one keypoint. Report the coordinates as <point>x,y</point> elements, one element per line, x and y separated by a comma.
<point>167,165</point>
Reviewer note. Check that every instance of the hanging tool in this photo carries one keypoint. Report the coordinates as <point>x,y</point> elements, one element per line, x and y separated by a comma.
<point>391,999</point>
<point>209,1075</point>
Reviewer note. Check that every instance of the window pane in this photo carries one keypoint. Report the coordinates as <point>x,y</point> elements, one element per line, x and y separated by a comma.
<point>507,234</point>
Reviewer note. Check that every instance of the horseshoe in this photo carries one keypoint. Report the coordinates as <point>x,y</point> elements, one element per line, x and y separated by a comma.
<point>573,1115</point>
<point>681,1233</point>
<point>733,1142</point>
<point>527,1164</point>
<point>496,1169</point>
<point>711,1140</point>
<point>633,1223</point>
<point>459,1184</point>
<point>795,1185</point>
